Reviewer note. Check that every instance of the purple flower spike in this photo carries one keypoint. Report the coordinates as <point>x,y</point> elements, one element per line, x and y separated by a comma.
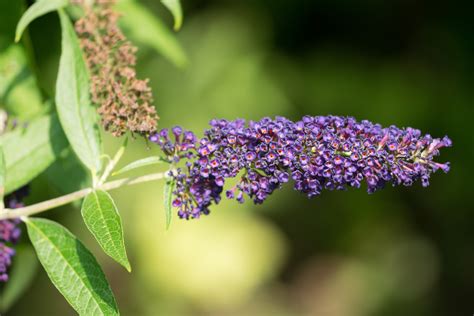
<point>10,232</point>
<point>321,152</point>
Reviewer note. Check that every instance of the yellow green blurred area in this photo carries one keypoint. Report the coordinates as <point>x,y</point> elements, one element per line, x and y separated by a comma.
<point>401,251</point>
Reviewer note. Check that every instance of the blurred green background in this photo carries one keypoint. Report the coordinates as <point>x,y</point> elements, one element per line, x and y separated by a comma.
<point>401,251</point>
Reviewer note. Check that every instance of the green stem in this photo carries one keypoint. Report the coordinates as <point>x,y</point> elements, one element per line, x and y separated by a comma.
<point>71,197</point>
<point>112,163</point>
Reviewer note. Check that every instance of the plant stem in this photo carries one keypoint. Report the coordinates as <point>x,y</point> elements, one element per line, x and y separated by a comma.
<point>112,163</point>
<point>68,198</point>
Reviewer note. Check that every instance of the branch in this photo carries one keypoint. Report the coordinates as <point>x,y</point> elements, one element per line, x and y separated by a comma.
<point>68,198</point>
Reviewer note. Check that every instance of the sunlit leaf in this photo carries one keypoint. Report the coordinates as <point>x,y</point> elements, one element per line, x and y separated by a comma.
<point>76,113</point>
<point>39,8</point>
<point>144,27</point>
<point>72,268</point>
<point>19,92</point>
<point>168,200</point>
<point>21,275</point>
<point>103,220</point>
<point>175,8</point>
<point>141,163</point>
<point>29,151</point>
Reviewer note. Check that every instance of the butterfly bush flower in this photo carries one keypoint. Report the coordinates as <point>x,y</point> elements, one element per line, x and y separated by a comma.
<point>321,152</point>
<point>124,102</point>
<point>10,233</point>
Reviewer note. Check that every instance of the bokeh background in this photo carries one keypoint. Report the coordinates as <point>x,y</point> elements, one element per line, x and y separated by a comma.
<point>401,251</point>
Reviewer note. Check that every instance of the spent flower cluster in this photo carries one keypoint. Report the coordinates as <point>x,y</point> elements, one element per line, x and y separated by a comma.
<point>321,152</point>
<point>124,102</point>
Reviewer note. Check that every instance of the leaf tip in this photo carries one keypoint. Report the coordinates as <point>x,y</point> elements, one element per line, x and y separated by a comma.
<point>19,31</point>
<point>177,24</point>
<point>127,266</point>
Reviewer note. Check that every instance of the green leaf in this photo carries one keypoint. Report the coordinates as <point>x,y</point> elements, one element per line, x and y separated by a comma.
<point>39,8</point>
<point>144,27</point>
<point>29,151</point>
<point>76,113</point>
<point>140,163</point>
<point>103,220</point>
<point>2,175</point>
<point>175,8</point>
<point>21,275</point>
<point>77,175</point>
<point>19,92</point>
<point>72,268</point>
<point>168,200</point>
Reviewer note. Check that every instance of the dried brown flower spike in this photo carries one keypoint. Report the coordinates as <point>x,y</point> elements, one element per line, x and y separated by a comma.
<point>124,102</point>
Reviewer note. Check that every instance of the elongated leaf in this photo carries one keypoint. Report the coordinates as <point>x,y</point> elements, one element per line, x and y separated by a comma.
<point>2,175</point>
<point>140,163</point>
<point>77,115</point>
<point>72,268</point>
<point>168,200</point>
<point>67,164</point>
<point>19,92</point>
<point>103,220</point>
<point>175,8</point>
<point>29,151</point>
<point>143,26</point>
<point>23,270</point>
<point>39,8</point>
